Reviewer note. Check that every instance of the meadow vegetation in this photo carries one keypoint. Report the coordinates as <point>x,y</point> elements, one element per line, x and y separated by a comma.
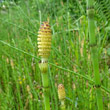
<point>69,62</point>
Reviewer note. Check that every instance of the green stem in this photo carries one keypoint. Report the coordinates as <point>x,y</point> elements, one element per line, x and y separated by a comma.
<point>44,67</point>
<point>46,90</point>
<point>62,105</point>
<point>94,53</point>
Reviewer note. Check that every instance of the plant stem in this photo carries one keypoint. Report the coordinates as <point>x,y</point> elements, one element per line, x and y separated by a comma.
<point>46,90</point>
<point>44,67</point>
<point>94,52</point>
<point>62,106</point>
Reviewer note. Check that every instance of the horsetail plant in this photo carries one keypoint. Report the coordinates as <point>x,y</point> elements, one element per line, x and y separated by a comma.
<point>61,95</point>
<point>44,47</point>
<point>94,52</point>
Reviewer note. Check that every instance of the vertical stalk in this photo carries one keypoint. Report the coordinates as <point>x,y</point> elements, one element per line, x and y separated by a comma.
<point>44,47</point>
<point>45,81</point>
<point>94,52</point>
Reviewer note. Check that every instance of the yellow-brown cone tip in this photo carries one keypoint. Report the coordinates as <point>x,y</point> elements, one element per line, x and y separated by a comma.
<point>44,40</point>
<point>61,92</point>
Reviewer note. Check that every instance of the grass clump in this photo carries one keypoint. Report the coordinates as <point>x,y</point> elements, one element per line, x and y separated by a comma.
<point>70,58</point>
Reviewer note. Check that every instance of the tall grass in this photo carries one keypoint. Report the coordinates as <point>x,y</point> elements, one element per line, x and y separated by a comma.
<point>70,63</point>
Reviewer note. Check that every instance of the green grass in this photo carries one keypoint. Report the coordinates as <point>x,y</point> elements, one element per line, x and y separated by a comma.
<point>69,62</point>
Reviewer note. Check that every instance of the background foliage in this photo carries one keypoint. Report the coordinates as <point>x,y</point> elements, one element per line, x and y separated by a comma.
<point>70,63</point>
